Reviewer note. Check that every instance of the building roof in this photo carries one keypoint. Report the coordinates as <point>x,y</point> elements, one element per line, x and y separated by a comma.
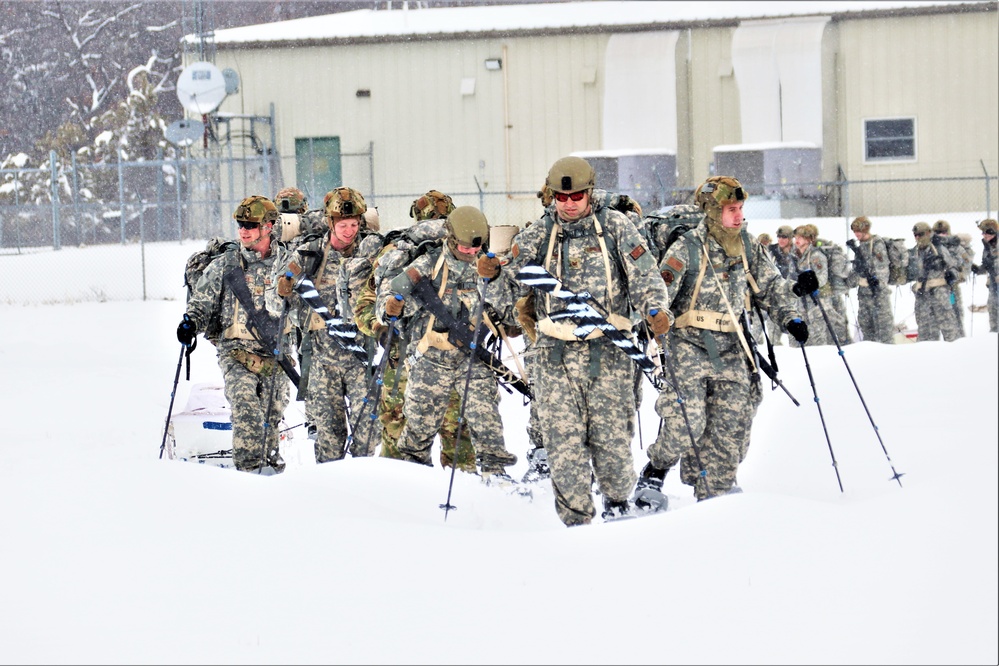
<point>367,25</point>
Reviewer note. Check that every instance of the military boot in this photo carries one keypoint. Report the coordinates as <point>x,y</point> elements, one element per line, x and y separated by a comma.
<point>649,497</point>
<point>616,510</point>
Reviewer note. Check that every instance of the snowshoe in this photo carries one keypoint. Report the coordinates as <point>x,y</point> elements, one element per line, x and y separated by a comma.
<point>616,510</point>
<point>650,500</point>
<point>537,470</point>
<point>499,478</point>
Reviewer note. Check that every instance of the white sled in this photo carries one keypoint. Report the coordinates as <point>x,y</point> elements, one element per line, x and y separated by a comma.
<point>202,433</point>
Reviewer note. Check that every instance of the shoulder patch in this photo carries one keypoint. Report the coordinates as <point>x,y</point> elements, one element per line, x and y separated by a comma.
<point>675,264</point>
<point>636,253</point>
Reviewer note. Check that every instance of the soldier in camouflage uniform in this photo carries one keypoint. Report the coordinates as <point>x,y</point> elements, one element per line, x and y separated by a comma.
<point>584,388</point>
<point>990,269</point>
<point>336,376</point>
<point>429,212</point>
<point>929,262</point>
<point>960,247</point>
<point>248,366</point>
<point>440,368</point>
<point>869,273</point>
<point>806,257</point>
<point>712,274</point>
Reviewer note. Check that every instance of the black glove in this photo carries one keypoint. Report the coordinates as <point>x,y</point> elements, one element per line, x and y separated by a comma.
<point>798,330</point>
<point>873,282</point>
<point>950,277</point>
<point>186,331</point>
<point>976,269</point>
<point>807,283</point>
<point>852,244</point>
<point>937,240</point>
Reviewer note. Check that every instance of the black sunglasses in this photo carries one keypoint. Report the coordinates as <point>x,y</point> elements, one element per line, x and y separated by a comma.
<point>247,225</point>
<point>919,234</point>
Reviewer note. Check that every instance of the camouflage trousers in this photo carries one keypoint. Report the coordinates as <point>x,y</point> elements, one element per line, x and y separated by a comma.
<point>935,315</point>
<point>818,332</point>
<point>874,314</point>
<point>841,321</point>
<point>331,385</point>
<point>390,413</point>
<point>585,394</point>
<point>432,379</point>
<point>720,407</point>
<point>993,306</point>
<point>959,306</point>
<point>248,394</point>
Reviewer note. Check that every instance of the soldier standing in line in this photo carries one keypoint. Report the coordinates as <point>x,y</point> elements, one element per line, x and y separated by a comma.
<point>337,376</point>
<point>713,273</point>
<point>808,258</point>
<point>989,268</point>
<point>249,368</point>
<point>429,212</point>
<point>960,247</point>
<point>584,389</point>
<point>869,273</point>
<point>929,262</point>
<point>442,368</point>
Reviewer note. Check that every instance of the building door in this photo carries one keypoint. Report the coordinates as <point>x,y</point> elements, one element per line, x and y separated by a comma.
<point>317,167</point>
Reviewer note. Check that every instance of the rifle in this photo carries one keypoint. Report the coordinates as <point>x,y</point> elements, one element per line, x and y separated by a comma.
<point>262,325</point>
<point>459,333</point>
<point>862,267</point>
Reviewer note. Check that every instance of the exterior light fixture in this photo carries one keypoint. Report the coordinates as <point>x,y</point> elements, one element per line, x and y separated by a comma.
<point>494,64</point>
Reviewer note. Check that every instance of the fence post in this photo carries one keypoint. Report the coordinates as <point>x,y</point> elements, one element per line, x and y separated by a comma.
<point>988,191</point>
<point>121,194</point>
<point>54,180</point>
<point>159,193</point>
<point>76,199</point>
<point>371,167</point>
<point>176,180</point>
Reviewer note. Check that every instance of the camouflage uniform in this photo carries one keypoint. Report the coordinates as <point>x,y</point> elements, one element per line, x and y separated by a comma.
<point>438,369</point>
<point>818,332</point>
<point>720,395</point>
<point>990,269</point>
<point>929,262</point>
<point>386,265</point>
<point>248,367</point>
<point>584,389</point>
<point>960,248</point>
<point>873,303</point>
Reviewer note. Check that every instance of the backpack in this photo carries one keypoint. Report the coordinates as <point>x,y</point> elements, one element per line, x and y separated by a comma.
<point>839,268</point>
<point>196,265</point>
<point>661,228</point>
<point>898,260</point>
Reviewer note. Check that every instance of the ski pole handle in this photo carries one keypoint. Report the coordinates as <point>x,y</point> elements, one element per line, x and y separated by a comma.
<point>395,318</point>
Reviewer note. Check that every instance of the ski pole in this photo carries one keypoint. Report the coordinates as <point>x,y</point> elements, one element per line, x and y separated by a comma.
<point>664,340</point>
<point>173,393</point>
<point>447,506</point>
<point>278,355</point>
<point>821,417</point>
<point>971,331</point>
<point>895,475</point>
<point>374,384</point>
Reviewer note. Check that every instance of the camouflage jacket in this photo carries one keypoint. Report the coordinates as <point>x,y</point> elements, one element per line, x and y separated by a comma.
<point>729,278</point>
<point>578,260</point>
<point>928,265</point>
<point>874,257</point>
<point>817,261</point>
<point>211,292</point>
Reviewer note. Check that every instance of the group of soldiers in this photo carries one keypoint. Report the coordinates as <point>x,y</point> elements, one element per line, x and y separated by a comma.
<point>935,267</point>
<point>388,331</point>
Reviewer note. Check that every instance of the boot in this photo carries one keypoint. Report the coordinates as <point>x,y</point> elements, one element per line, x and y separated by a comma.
<point>615,509</point>
<point>537,465</point>
<point>648,491</point>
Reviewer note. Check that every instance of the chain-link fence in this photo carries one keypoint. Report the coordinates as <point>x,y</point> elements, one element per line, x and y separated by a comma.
<point>160,211</point>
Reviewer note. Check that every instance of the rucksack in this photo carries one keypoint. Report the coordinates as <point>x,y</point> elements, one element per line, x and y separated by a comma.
<point>898,260</point>
<point>661,228</point>
<point>839,268</point>
<point>196,265</point>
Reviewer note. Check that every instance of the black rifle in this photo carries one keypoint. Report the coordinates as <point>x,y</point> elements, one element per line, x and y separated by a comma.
<point>862,267</point>
<point>461,335</point>
<point>263,326</point>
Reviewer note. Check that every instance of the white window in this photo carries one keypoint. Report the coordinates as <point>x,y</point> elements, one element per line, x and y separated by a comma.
<point>890,139</point>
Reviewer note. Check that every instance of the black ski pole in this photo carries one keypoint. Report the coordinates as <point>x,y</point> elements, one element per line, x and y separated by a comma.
<point>278,355</point>
<point>447,506</point>
<point>895,474</point>
<point>173,393</point>
<point>374,384</point>
<point>663,340</point>
<point>821,417</point>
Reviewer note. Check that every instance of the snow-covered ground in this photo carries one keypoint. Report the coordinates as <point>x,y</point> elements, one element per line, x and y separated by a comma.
<point>112,555</point>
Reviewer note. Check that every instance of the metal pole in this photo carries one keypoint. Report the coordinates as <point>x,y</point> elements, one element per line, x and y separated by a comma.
<point>988,191</point>
<point>76,200</point>
<point>371,167</point>
<point>176,179</point>
<point>159,193</point>
<point>121,195</point>
<point>54,182</point>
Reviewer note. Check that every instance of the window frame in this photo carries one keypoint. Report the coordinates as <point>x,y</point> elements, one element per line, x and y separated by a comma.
<point>894,158</point>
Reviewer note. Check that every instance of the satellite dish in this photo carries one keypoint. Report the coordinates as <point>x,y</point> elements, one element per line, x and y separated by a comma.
<point>201,88</point>
<point>231,81</point>
<point>184,132</point>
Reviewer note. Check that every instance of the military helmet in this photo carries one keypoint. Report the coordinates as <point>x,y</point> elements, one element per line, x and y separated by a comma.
<point>571,174</point>
<point>431,206</point>
<point>920,228</point>
<point>764,239</point>
<point>941,227</point>
<point>809,231</point>
<point>344,202</point>
<point>861,224</point>
<point>785,231</point>
<point>257,209</point>
<point>290,200</point>
<point>718,191</point>
<point>989,225</point>
<point>466,225</point>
